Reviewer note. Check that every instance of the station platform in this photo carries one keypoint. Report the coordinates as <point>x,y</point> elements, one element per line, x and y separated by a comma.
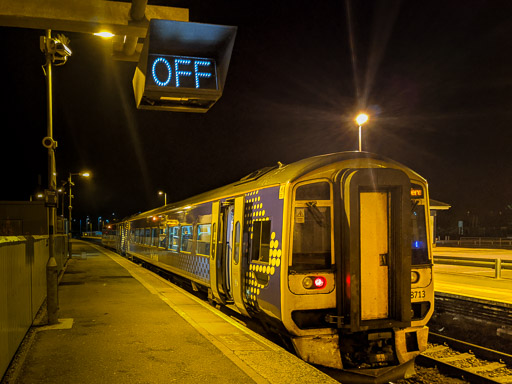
<point>473,282</point>
<point>120,323</point>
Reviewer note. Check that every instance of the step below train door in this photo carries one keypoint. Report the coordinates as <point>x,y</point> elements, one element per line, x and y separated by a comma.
<point>377,249</point>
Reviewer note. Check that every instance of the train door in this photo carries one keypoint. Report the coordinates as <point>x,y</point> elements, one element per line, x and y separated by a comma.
<point>374,225</point>
<point>226,264</point>
<point>237,262</point>
<point>220,261</point>
<point>376,247</point>
<point>228,212</point>
<point>216,251</point>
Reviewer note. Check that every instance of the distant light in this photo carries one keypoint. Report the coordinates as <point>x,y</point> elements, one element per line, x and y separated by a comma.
<point>85,174</point>
<point>104,34</point>
<point>39,195</point>
<point>361,118</point>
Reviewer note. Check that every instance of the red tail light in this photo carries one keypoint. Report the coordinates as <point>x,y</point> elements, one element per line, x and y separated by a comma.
<point>314,282</point>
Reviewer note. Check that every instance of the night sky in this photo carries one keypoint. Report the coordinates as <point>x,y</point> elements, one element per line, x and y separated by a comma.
<point>435,77</point>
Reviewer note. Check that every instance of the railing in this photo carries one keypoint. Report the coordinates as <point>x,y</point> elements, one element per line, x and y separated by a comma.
<point>23,286</point>
<point>485,242</point>
<point>497,264</point>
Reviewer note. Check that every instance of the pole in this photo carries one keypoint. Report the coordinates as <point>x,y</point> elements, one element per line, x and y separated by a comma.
<point>52,298</point>
<point>360,139</point>
<point>70,207</point>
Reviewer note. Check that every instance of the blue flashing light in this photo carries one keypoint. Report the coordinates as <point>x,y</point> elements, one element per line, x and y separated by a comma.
<point>202,63</point>
<point>169,72</point>
<point>179,73</point>
<point>417,244</point>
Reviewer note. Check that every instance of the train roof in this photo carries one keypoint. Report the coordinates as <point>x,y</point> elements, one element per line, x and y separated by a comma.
<point>275,175</point>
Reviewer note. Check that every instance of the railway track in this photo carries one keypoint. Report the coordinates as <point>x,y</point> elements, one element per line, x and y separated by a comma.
<point>468,361</point>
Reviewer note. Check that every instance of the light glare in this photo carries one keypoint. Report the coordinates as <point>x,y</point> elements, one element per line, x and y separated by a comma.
<point>361,118</point>
<point>104,34</point>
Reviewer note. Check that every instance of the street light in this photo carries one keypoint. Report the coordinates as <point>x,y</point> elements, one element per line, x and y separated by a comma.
<point>360,120</point>
<point>70,185</point>
<point>165,196</point>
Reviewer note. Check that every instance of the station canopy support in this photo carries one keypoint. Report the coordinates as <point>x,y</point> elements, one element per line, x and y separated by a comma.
<point>91,16</point>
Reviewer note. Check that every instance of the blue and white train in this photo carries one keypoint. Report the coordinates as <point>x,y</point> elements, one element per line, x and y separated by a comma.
<point>333,252</point>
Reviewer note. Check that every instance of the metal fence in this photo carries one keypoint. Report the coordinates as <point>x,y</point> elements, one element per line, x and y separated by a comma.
<point>23,287</point>
<point>478,242</point>
<point>497,264</point>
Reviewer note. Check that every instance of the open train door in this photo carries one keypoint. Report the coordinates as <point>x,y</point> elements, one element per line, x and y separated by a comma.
<point>216,248</point>
<point>377,247</point>
<point>237,272</point>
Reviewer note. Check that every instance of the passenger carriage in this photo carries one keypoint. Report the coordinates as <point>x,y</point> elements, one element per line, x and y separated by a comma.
<point>332,252</point>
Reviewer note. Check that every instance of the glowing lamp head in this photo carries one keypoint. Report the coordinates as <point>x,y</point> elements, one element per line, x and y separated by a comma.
<point>85,174</point>
<point>104,34</point>
<point>362,118</point>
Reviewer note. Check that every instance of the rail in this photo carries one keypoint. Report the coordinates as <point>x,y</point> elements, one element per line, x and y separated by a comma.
<point>497,264</point>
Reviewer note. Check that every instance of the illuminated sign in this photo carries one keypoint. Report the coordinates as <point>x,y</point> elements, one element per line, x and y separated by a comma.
<point>183,66</point>
<point>416,191</point>
<point>182,72</point>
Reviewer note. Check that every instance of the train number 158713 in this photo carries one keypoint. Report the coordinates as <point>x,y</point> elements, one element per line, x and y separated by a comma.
<point>419,294</point>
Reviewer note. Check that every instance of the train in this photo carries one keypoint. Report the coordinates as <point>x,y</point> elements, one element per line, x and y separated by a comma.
<point>333,253</point>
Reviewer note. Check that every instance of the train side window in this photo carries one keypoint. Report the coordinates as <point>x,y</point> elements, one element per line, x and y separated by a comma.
<point>163,237</point>
<point>203,239</point>
<point>174,238</point>
<point>261,241</point>
<point>314,191</point>
<point>186,238</point>
<point>236,255</point>
<point>147,239</point>
<point>155,236</point>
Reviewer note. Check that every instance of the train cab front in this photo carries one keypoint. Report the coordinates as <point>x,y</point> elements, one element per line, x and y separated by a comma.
<point>353,231</point>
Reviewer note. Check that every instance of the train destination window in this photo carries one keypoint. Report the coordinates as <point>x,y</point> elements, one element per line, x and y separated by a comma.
<point>203,239</point>
<point>314,191</point>
<point>419,235</point>
<point>186,238</point>
<point>261,241</point>
<point>174,238</point>
<point>311,238</point>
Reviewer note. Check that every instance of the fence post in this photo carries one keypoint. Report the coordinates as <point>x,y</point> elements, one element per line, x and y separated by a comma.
<point>497,269</point>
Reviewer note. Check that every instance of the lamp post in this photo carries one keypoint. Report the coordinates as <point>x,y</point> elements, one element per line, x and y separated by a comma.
<point>165,196</point>
<point>360,120</point>
<point>70,185</point>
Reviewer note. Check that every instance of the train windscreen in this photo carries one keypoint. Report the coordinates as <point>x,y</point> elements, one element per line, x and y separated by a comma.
<point>419,235</point>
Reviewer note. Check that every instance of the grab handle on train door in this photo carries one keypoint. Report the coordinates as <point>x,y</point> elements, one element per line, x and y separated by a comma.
<point>383,257</point>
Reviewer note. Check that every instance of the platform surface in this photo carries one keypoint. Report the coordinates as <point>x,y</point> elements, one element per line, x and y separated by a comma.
<point>474,282</point>
<point>122,324</point>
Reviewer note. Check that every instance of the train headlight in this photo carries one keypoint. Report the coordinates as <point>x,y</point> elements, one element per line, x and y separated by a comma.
<point>415,277</point>
<point>314,282</point>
